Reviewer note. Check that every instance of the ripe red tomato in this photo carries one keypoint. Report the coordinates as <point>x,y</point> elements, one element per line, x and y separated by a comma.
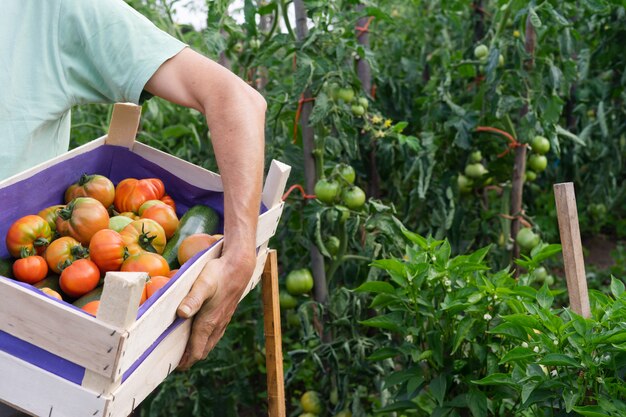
<point>95,186</point>
<point>194,244</point>
<point>108,250</point>
<point>79,278</point>
<point>169,201</point>
<point>144,235</point>
<point>152,263</point>
<point>154,284</point>
<point>82,218</point>
<point>163,215</point>
<point>131,193</point>
<point>92,307</point>
<point>50,215</point>
<point>30,269</point>
<point>30,232</point>
<point>62,252</point>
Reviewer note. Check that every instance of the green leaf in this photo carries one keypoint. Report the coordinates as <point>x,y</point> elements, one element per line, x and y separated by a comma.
<point>545,297</point>
<point>383,300</point>
<point>524,320</point>
<point>590,411</point>
<point>534,18</point>
<point>462,331</point>
<point>415,238</point>
<point>397,406</point>
<point>399,127</point>
<point>392,321</point>
<point>383,353</point>
<point>477,403</point>
<point>617,287</point>
<point>376,287</point>
<point>497,379</point>
<point>175,131</point>
<point>438,388</point>
<point>401,377</point>
<point>518,354</point>
<point>562,132</point>
<point>510,329</point>
<point>597,6</point>
<point>546,251</point>
<point>602,120</point>
<point>570,398</point>
<point>559,359</point>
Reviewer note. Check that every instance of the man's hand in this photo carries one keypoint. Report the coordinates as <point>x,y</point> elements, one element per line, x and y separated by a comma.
<point>235,115</point>
<point>213,300</point>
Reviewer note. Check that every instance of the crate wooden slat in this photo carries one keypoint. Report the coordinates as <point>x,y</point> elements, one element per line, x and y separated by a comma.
<point>126,342</point>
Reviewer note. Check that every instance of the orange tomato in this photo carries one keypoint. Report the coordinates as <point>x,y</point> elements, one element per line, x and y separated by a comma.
<point>131,193</point>
<point>79,278</point>
<point>31,233</point>
<point>30,269</point>
<point>149,204</point>
<point>95,186</point>
<point>92,307</point>
<point>169,201</point>
<point>154,284</point>
<point>163,215</point>
<point>144,235</point>
<point>130,215</point>
<point>51,293</point>
<point>193,244</point>
<point>50,214</point>
<point>82,218</point>
<point>172,273</point>
<point>108,250</point>
<point>63,251</point>
<point>152,263</point>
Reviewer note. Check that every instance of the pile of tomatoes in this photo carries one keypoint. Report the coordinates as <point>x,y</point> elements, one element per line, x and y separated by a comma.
<point>100,228</point>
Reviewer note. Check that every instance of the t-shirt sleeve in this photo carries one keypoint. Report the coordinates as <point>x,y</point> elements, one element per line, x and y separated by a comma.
<point>109,51</point>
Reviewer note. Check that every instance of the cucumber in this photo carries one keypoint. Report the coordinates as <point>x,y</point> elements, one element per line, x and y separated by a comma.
<point>51,282</point>
<point>6,268</point>
<point>198,219</point>
<point>92,295</point>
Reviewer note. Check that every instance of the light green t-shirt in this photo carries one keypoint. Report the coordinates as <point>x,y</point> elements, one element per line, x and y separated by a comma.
<point>55,54</point>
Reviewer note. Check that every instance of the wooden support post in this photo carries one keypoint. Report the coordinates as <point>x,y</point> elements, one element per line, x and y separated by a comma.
<point>572,248</point>
<point>273,338</point>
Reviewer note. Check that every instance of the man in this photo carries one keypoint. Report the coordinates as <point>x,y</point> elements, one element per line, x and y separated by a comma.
<point>58,53</point>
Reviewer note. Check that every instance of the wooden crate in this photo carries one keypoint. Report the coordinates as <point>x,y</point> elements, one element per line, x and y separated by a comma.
<point>110,346</point>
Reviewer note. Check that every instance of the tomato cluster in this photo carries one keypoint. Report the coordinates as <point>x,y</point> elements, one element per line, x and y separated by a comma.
<point>339,188</point>
<point>66,249</point>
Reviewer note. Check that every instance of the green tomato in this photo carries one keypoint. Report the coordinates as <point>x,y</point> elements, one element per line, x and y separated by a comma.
<point>255,43</point>
<point>333,90</point>
<point>353,197</point>
<point>475,170</point>
<point>527,239</point>
<point>540,145</point>
<point>500,61</point>
<point>287,300</point>
<point>344,212</point>
<point>311,403</point>
<point>549,280</point>
<point>293,319</point>
<point>530,175</point>
<point>597,211</point>
<point>327,191</point>
<point>464,183</point>
<point>238,47</point>
<point>299,281</point>
<point>540,274</point>
<point>481,51</point>
<point>537,163</point>
<point>357,110</point>
<point>363,102</point>
<point>476,156</point>
<point>346,172</point>
<point>332,245</point>
<point>346,94</point>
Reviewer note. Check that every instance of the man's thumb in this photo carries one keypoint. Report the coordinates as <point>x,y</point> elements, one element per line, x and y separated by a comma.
<point>201,292</point>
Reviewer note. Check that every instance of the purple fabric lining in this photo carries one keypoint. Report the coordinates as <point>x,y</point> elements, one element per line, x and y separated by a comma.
<point>47,188</point>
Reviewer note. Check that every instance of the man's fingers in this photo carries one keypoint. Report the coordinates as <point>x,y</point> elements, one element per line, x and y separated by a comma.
<point>202,290</point>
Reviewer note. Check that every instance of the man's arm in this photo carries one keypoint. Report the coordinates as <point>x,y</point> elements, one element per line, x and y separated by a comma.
<point>235,114</point>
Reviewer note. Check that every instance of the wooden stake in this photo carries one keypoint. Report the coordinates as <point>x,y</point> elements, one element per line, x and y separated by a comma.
<point>519,168</point>
<point>572,248</point>
<point>273,338</point>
